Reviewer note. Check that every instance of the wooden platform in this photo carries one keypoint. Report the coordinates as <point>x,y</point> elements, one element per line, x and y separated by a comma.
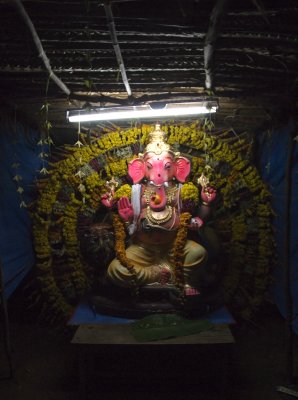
<point>108,353</point>
<point>119,334</point>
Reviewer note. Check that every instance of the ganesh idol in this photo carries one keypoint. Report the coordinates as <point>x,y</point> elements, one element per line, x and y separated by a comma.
<point>159,253</point>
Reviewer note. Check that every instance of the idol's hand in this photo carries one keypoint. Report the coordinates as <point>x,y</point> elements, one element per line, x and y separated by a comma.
<point>195,223</point>
<point>208,194</point>
<point>107,200</point>
<point>125,209</point>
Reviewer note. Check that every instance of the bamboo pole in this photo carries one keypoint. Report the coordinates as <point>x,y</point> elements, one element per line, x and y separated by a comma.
<point>39,46</point>
<point>111,24</point>
<point>210,40</point>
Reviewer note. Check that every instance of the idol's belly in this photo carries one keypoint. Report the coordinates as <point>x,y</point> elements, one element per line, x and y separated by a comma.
<point>155,237</point>
<point>158,227</point>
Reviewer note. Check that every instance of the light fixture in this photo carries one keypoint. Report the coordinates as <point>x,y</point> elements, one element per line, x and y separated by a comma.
<point>142,112</point>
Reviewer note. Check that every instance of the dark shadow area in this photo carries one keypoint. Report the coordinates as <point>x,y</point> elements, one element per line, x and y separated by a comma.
<point>46,364</point>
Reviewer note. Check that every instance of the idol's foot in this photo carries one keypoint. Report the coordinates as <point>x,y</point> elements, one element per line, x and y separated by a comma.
<point>190,291</point>
<point>165,275</point>
<point>161,274</point>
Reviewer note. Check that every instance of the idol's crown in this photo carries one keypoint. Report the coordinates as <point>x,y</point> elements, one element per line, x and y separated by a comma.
<point>157,142</point>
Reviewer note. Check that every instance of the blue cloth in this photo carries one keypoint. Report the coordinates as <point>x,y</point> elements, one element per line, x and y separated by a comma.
<point>16,249</point>
<point>84,314</point>
<point>272,157</point>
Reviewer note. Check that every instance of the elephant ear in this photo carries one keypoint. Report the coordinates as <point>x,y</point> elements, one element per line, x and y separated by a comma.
<point>182,169</point>
<point>136,170</point>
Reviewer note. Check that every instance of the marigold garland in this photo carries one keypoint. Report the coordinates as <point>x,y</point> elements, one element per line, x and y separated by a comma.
<point>123,191</point>
<point>190,192</point>
<point>120,236</point>
<point>178,250</point>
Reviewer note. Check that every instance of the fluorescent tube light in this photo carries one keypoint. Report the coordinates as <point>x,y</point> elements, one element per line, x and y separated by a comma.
<point>142,112</point>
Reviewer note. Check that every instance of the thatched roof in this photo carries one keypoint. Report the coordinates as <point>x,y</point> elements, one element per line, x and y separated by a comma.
<point>243,53</point>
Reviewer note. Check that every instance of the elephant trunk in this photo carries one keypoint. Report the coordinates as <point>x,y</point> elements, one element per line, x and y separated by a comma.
<point>158,200</point>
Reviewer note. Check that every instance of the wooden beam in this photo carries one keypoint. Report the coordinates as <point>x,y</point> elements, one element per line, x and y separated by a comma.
<point>210,40</point>
<point>39,46</point>
<point>111,23</point>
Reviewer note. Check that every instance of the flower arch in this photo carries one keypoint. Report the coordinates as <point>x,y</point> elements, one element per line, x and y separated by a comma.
<point>69,203</point>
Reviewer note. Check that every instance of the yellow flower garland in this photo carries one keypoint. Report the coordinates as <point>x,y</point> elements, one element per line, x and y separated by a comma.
<point>123,191</point>
<point>178,250</point>
<point>190,192</point>
<point>120,236</point>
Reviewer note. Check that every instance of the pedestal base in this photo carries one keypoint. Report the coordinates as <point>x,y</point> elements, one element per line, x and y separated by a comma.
<point>112,358</point>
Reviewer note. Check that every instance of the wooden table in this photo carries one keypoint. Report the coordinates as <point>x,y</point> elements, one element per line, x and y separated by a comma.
<point>110,352</point>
